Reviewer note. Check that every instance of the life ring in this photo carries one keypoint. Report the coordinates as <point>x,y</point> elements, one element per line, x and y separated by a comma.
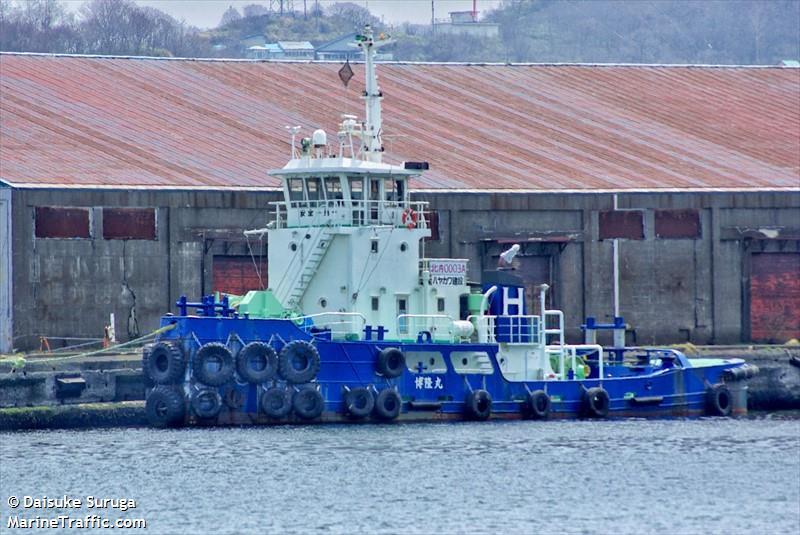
<point>410,218</point>
<point>277,402</point>
<point>359,402</point>
<point>298,362</point>
<point>718,400</point>
<point>537,405</point>
<point>165,407</point>
<point>391,362</point>
<point>388,404</point>
<point>257,362</point>
<point>596,402</point>
<point>213,364</point>
<point>308,403</point>
<point>163,363</point>
<point>478,405</point>
<point>206,403</point>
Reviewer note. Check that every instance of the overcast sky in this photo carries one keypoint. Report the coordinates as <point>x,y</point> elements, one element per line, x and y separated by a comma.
<point>207,13</point>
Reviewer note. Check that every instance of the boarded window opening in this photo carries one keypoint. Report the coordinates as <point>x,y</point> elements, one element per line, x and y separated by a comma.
<point>677,224</point>
<point>774,297</point>
<point>61,222</point>
<point>237,275</point>
<point>129,223</point>
<point>625,224</point>
<point>433,225</point>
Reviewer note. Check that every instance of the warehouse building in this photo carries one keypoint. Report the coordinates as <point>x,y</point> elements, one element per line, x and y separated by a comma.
<point>126,182</point>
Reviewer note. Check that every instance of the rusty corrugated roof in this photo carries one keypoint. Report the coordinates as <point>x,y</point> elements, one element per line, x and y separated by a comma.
<point>91,121</point>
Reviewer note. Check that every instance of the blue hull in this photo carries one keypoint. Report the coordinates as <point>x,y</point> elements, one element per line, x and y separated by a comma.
<point>669,388</point>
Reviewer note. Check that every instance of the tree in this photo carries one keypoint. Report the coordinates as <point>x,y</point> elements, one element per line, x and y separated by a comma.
<point>354,14</point>
<point>253,10</point>
<point>230,15</point>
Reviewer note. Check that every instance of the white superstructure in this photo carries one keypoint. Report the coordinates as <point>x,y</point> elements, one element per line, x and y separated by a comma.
<point>347,238</point>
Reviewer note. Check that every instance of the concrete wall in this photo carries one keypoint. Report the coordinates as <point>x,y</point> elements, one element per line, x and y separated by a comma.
<point>672,290</point>
<point>68,287</point>
<point>6,276</point>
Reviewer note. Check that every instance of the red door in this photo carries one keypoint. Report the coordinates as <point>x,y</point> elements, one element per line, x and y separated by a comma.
<point>774,297</point>
<point>238,274</point>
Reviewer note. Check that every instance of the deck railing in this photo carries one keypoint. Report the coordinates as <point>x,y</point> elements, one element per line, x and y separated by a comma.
<point>338,212</point>
<point>410,326</point>
<point>342,325</point>
<point>507,329</point>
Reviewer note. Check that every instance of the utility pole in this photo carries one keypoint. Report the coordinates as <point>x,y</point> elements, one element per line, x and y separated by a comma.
<point>433,16</point>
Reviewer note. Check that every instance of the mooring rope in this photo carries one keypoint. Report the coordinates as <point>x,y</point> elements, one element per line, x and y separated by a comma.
<point>19,362</point>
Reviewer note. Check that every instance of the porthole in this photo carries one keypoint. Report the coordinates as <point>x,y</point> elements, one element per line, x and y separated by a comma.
<point>293,246</point>
<point>465,361</point>
<point>403,247</point>
<point>323,302</point>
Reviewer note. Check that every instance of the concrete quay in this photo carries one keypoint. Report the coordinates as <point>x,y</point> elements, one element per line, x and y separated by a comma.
<point>108,390</point>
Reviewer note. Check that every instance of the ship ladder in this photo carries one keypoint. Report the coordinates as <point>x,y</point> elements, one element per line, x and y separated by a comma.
<point>309,268</point>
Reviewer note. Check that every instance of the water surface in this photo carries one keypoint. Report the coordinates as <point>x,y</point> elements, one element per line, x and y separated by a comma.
<point>628,476</point>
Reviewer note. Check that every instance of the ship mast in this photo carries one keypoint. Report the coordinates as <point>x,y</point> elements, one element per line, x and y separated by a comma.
<point>373,146</point>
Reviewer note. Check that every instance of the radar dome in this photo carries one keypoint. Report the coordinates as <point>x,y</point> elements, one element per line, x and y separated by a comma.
<point>319,138</point>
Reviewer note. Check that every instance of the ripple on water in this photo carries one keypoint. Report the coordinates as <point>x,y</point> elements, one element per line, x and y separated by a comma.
<point>677,476</point>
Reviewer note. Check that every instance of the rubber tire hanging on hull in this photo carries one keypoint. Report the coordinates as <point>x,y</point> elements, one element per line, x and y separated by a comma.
<point>257,362</point>
<point>308,403</point>
<point>537,405</point>
<point>478,405</point>
<point>388,404</point>
<point>165,407</point>
<point>359,402</point>
<point>596,402</point>
<point>391,362</point>
<point>719,401</point>
<point>163,363</point>
<point>206,403</point>
<point>298,362</point>
<point>216,355</point>
<point>277,402</point>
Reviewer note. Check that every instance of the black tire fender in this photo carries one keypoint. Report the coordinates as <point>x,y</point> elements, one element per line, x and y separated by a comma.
<point>719,401</point>
<point>257,362</point>
<point>308,403</point>
<point>165,407</point>
<point>213,364</point>
<point>163,363</point>
<point>596,402</point>
<point>277,402</point>
<point>391,362</point>
<point>206,403</point>
<point>537,405</point>
<point>359,402</point>
<point>299,362</point>
<point>388,404</point>
<point>478,405</point>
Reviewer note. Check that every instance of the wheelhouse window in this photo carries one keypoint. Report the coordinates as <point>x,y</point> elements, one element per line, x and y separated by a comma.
<point>295,189</point>
<point>314,189</point>
<point>333,188</point>
<point>389,190</point>
<point>357,189</point>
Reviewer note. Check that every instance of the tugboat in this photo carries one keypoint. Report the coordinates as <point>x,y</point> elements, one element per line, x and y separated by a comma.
<point>358,325</point>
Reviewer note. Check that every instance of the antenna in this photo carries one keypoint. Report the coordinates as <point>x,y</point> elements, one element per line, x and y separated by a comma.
<point>293,130</point>
<point>372,94</point>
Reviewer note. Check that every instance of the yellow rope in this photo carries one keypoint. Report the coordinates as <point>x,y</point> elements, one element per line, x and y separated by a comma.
<point>19,361</point>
